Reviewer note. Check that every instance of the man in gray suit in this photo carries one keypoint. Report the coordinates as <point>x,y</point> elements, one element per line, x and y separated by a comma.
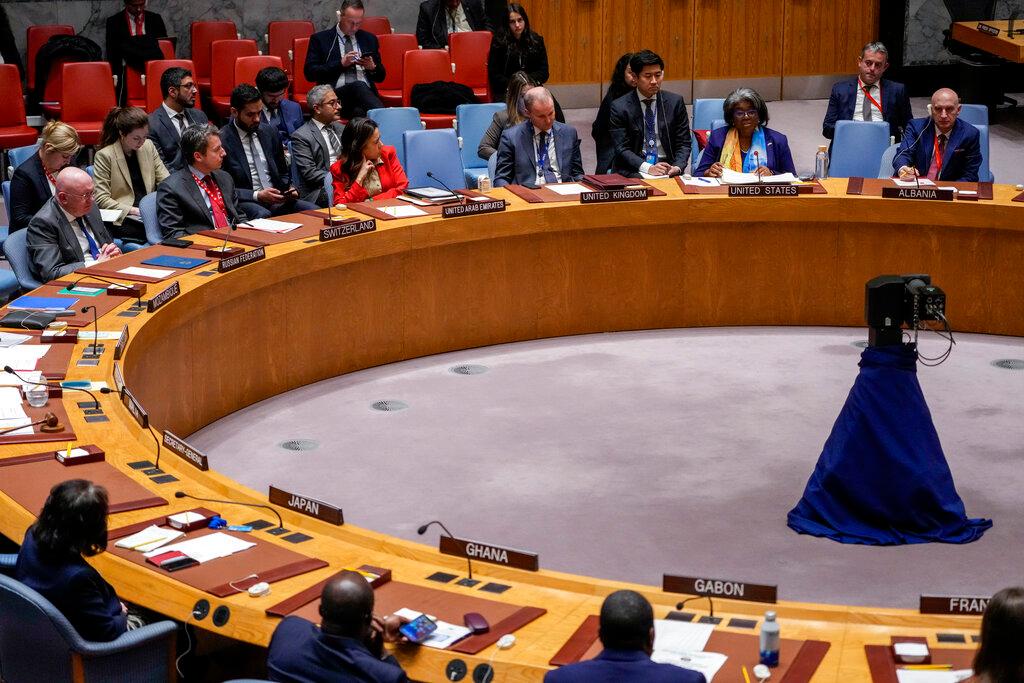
<point>199,196</point>
<point>539,150</point>
<point>317,144</point>
<point>174,115</point>
<point>68,233</point>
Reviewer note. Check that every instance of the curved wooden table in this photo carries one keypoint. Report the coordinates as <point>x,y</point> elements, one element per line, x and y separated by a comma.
<point>415,287</point>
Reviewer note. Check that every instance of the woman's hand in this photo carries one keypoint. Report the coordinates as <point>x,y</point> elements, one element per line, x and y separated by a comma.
<point>134,211</point>
<point>714,171</point>
<point>364,168</point>
<point>763,171</point>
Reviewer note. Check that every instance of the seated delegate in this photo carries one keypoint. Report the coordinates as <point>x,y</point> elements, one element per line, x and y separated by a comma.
<point>745,144</point>
<point>539,150</point>
<point>1000,658</point>
<point>513,114</point>
<point>367,169</point>
<point>622,82</point>
<point>940,146</point>
<point>33,181</point>
<point>316,145</point>
<point>868,96</point>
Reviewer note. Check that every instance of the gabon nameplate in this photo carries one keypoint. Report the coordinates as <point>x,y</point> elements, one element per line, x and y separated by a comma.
<point>925,193</point>
<point>626,194</point>
<point>243,259</point>
<point>763,190</point>
<point>953,604</point>
<point>719,588</point>
<point>163,297</point>
<point>179,447</point>
<point>485,552</point>
<point>358,227</point>
<point>311,507</point>
<point>472,208</point>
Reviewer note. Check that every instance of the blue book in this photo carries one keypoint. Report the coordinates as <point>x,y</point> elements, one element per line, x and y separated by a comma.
<point>179,262</point>
<point>42,303</point>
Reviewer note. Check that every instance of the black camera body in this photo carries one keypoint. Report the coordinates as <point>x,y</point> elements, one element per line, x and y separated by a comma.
<point>892,301</point>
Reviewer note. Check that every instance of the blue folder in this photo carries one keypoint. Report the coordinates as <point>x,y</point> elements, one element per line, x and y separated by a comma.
<point>179,262</point>
<point>43,303</point>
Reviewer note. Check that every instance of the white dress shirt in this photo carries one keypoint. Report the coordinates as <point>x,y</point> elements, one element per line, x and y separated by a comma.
<point>858,106</point>
<point>254,174</point>
<point>552,157</point>
<point>646,167</point>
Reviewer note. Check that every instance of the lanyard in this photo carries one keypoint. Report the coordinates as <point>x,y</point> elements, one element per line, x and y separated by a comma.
<point>868,95</point>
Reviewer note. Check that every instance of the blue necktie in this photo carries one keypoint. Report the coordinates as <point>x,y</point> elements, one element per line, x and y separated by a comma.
<point>542,158</point>
<point>94,249</point>
<point>650,135</point>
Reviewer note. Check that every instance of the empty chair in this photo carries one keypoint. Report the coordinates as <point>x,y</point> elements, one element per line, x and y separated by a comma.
<point>16,253</point>
<point>13,130</point>
<point>135,80</point>
<point>154,71</point>
<point>392,123</point>
<point>436,151</point>
<point>378,26</point>
<point>705,111</point>
<point>35,38</point>
<point>857,147</point>
<point>300,84</point>
<point>393,47</point>
<point>87,94</point>
<point>203,33</point>
<point>885,166</point>
<point>147,209</point>
<point>246,68</point>
<point>984,172</point>
<point>472,121</point>
<point>222,72</point>
<point>426,66</point>
<point>469,52</point>
<point>280,37</point>
<point>976,114</point>
<point>50,100</point>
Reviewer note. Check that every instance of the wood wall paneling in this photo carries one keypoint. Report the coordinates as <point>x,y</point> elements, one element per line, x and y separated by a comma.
<point>664,26</point>
<point>736,39</point>
<point>572,32</point>
<point>825,36</point>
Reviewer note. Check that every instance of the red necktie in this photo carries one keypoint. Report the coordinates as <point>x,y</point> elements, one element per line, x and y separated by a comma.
<point>220,217</point>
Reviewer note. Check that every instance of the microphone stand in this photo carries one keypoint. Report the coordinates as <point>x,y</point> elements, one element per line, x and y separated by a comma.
<point>182,494</point>
<point>711,603</point>
<point>108,390</point>
<point>430,174</point>
<point>757,161</point>
<point>96,401</point>
<point>135,290</point>
<point>96,346</point>
<point>423,529</point>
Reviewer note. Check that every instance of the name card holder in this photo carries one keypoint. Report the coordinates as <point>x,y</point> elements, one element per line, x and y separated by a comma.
<point>988,30</point>
<point>966,605</point>
<point>65,336</point>
<point>245,258</point>
<point>135,408</point>
<point>310,507</point>
<point>626,194</point>
<point>929,193</point>
<point>178,446</point>
<point>764,190</point>
<point>136,290</point>
<point>122,342</point>
<point>347,228</point>
<point>118,378</point>
<point>485,552</point>
<point>163,297</point>
<point>720,588</point>
<point>80,456</point>
<point>473,208</point>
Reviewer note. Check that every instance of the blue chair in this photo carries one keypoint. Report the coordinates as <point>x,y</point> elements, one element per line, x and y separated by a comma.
<point>147,207</point>
<point>885,169</point>
<point>37,643</point>
<point>984,173</point>
<point>857,148</point>
<point>435,150</point>
<point>18,155</point>
<point>16,251</point>
<point>7,562</point>
<point>976,114</point>
<point>471,122</point>
<point>4,230</point>
<point>8,287</point>
<point>89,169</point>
<point>717,123</point>
<point>705,112</point>
<point>393,122</point>
<point>126,247</point>
<point>492,166</point>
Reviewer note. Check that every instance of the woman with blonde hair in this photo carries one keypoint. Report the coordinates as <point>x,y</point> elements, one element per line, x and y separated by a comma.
<point>513,113</point>
<point>34,180</point>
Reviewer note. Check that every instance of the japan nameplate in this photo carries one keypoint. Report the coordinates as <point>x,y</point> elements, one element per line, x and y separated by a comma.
<point>305,505</point>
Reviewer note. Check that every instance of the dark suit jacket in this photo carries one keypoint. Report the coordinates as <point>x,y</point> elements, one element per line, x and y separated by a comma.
<point>505,59</point>
<point>29,191</point>
<point>432,23</point>
<point>53,244</point>
<point>622,666</point>
<point>288,120</point>
<point>602,134</point>
<point>895,106</point>
<point>237,165</point>
<point>779,158</point>
<point>963,150</point>
<point>301,653</point>
<point>165,136</point>
<point>517,155</point>
<point>312,161</point>
<point>323,60</point>
<point>75,589</point>
<point>626,124</point>
<point>122,46</point>
<point>181,208</point>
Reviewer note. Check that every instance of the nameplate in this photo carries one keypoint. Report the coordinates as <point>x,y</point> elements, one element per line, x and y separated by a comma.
<point>763,190</point>
<point>118,379</point>
<point>925,193</point>
<point>163,297</point>
<point>243,259</point>
<point>472,208</point>
<point>953,604</point>
<point>988,30</point>
<point>347,230</point>
<point>122,342</point>
<point>485,552</point>
<point>135,408</point>
<point>719,588</point>
<point>627,194</point>
<point>310,507</point>
<point>178,446</point>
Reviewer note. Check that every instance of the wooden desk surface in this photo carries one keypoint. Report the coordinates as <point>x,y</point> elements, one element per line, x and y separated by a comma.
<point>1010,49</point>
<point>421,286</point>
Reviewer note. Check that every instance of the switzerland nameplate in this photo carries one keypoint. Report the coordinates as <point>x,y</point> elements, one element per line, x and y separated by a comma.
<point>178,446</point>
<point>627,194</point>
<point>719,588</point>
<point>310,507</point>
<point>926,193</point>
<point>485,552</point>
<point>763,190</point>
<point>953,604</point>
<point>472,208</point>
<point>243,259</point>
<point>163,297</point>
<point>347,230</point>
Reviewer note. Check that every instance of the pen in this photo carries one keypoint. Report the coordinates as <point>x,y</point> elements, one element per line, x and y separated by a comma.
<point>149,542</point>
<point>929,667</point>
<point>703,180</point>
<point>746,676</point>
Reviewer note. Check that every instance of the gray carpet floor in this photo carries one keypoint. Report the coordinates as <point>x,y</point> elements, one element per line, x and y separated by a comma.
<point>632,454</point>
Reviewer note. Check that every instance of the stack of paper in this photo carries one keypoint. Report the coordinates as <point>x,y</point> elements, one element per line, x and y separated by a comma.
<point>12,412</point>
<point>150,538</point>
<point>402,211</point>
<point>925,676</point>
<point>445,635</point>
<point>206,548</point>
<point>157,273</point>
<point>702,182</point>
<point>268,225</point>
<point>9,339</point>
<point>35,376</point>
<point>682,643</point>
<point>730,177</point>
<point>23,356</point>
<point>568,188</point>
<point>920,182</point>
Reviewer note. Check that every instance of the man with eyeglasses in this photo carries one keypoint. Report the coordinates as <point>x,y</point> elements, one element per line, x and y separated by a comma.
<point>176,113</point>
<point>317,144</point>
<point>348,58</point>
<point>68,233</point>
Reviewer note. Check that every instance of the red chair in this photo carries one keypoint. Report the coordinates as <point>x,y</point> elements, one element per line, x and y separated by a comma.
<point>300,86</point>
<point>281,35</point>
<point>426,66</point>
<point>246,68</point>
<point>35,36</point>
<point>203,34</point>
<point>393,47</point>
<point>154,71</point>
<point>378,26</point>
<point>51,100</point>
<point>13,131</point>
<point>469,61</point>
<point>223,54</point>
<point>135,80</point>
<point>88,95</point>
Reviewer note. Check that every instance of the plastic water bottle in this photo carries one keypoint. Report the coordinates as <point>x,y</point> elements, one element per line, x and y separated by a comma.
<point>821,162</point>
<point>769,647</point>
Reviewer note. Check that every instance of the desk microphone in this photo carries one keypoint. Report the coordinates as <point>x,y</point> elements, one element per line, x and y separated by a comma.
<point>430,174</point>
<point>757,163</point>
<point>711,603</point>
<point>95,330</point>
<point>912,145</point>
<point>96,401</point>
<point>423,529</point>
<point>136,290</point>
<point>182,494</point>
<point>156,440</point>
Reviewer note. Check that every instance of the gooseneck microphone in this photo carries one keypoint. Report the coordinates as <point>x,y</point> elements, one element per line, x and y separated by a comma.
<point>95,330</point>
<point>423,529</point>
<point>711,603</point>
<point>96,401</point>
<point>757,163</point>
<point>909,151</point>
<point>182,494</point>
<point>430,174</point>
<point>156,440</point>
<point>135,290</point>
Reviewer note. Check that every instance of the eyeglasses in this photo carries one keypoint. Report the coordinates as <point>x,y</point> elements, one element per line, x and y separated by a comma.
<point>187,86</point>
<point>80,196</point>
<point>744,114</point>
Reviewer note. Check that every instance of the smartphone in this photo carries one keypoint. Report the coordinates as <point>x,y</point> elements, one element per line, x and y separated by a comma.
<point>175,242</point>
<point>418,629</point>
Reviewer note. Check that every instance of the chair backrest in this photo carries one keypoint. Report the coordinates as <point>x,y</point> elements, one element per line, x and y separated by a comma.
<point>30,624</point>
<point>203,33</point>
<point>885,166</point>
<point>469,52</point>
<point>436,151</point>
<point>379,26</point>
<point>393,122</point>
<point>706,110</point>
<point>222,71</point>
<point>87,92</point>
<point>18,155</point>
<point>473,121</point>
<point>166,48</point>
<point>424,66</point>
<point>55,80</point>
<point>16,251</point>
<point>246,68</point>
<point>12,109</point>
<point>35,37</point>
<point>6,188</point>
<point>984,172</point>
<point>300,86</point>
<point>147,207</point>
<point>281,35</point>
<point>976,114</point>
<point>393,47</point>
<point>154,71</point>
<point>857,148</point>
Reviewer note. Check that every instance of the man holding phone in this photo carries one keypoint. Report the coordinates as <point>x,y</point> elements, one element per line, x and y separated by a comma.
<point>347,58</point>
<point>348,645</point>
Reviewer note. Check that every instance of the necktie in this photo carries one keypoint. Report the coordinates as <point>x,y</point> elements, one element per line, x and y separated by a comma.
<point>935,168</point>
<point>335,142</point>
<point>650,135</point>
<point>350,73</point>
<point>94,249</point>
<point>261,173</point>
<point>542,158</point>
<point>220,217</point>
<point>179,120</point>
<point>866,107</point>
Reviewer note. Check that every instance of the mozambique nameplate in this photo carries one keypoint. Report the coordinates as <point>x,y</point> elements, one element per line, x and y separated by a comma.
<point>347,229</point>
<point>163,297</point>
<point>925,193</point>
<point>176,445</point>
<point>243,259</point>
<point>627,194</point>
<point>122,342</point>
<point>720,588</point>
<point>472,208</point>
<point>971,605</point>
<point>485,552</point>
<point>763,190</point>
<point>135,408</point>
<point>310,507</point>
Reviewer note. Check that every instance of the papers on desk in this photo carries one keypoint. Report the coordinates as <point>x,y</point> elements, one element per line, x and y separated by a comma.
<point>707,663</point>
<point>147,272</point>
<point>110,215</point>
<point>648,176</point>
<point>730,177</point>
<point>702,182</point>
<point>568,188</point>
<point>912,183</point>
<point>150,538</point>
<point>11,407</point>
<point>104,335</point>
<point>206,548</point>
<point>270,225</point>
<point>9,339</point>
<point>445,635</point>
<point>402,211</point>
<point>925,676</point>
<point>24,356</point>
<point>29,375</point>
<point>682,643</point>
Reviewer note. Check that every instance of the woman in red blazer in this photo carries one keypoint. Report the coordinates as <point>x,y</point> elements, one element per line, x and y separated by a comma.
<point>367,169</point>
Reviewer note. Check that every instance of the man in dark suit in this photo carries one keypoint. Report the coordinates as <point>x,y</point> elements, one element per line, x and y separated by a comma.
<point>347,58</point>
<point>278,111</point>
<point>68,233</point>
<point>627,633</point>
<point>132,40</point>
<point>868,96</point>
<point>255,159</point>
<point>317,144</point>
<point>539,150</point>
<point>941,146</point>
<point>174,115</point>
<point>438,18</point>
<point>348,645</point>
<point>199,196</point>
<point>649,127</point>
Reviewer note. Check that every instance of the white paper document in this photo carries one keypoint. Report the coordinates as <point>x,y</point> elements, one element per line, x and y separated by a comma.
<point>206,548</point>
<point>648,176</point>
<point>730,177</point>
<point>11,405</point>
<point>430,193</point>
<point>150,538</point>
<point>9,339</point>
<point>23,357</point>
<point>104,335</point>
<point>569,188</point>
<point>109,215</point>
<point>269,225</point>
<point>912,183</point>
<point>29,375</point>
<point>925,676</point>
<point>402,211</point>
<point>708,663</point>
<point>20,422</point>
<point>702,182</point>
<point>671,635</point>
<point>147,272</point>
<point>445,635</point>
